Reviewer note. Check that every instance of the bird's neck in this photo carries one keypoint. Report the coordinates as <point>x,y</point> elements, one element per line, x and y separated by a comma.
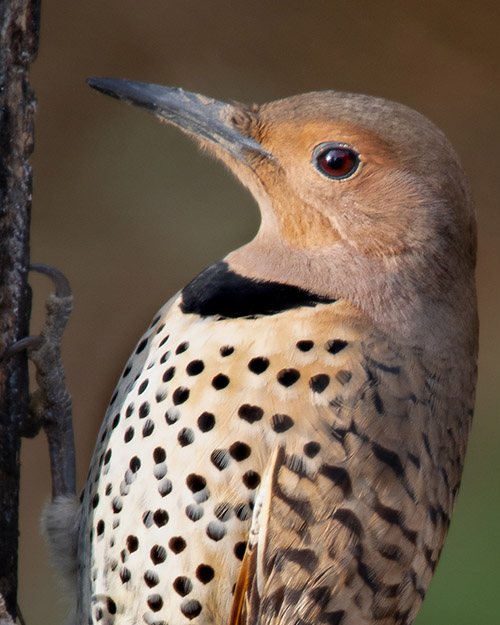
<point>415,314</point>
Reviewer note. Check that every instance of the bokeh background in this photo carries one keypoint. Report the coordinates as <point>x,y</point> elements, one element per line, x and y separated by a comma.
<point>130,210</point>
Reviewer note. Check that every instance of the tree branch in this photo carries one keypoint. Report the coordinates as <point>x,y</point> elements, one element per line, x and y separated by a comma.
<point>19,28</point>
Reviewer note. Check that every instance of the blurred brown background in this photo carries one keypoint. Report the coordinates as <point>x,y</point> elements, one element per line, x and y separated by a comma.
<point>130,210</point>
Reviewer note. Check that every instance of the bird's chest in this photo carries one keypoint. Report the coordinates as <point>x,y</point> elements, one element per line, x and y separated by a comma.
<point>197,414</point>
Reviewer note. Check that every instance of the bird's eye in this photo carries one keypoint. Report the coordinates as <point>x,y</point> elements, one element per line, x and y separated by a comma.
<point>335,160</point>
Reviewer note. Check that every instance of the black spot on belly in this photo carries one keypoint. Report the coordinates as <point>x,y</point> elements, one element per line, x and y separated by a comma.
<point>195,482</point>
<point>258,365</point>
<point>311,449</point>
<point>182,586</point>
<point>165,357</point>
<point>216,530</point>
<point>220,458</point>
<point>159,455</point>
<point>177,544</point>
<point>318,383</point>
<point>205,573</point>
<point>240,451</point>
<point>169,374</point>
<point>134,464</point>
<point>185,437</point>
<point>165,487</point>
<point>194,512</point>
<point>147,518</point>
<point>127,437</point>
<point>251,479</point>
<point>141,346</point>
<point>334,346</point>
<point>220,291</point>
<point>305,345</point>
<point>220,381</point>
<point>180,395</point>
<point>206,421</point>
<point>132,543</point>
<point>288,377</point>
<point>125,575</point>
<point>223,511</point>
<point>250,413</point>
<point>239,550</point>
<point>151,579</point>
<point>155,602</point>
<point>172,416</point>
<point>158,554</point>
<point>243,512</point>
<point>281,423</point>
<point>190,608</point>
<point>111,605</point>
<point>160,517</point>
<point>195,367</point>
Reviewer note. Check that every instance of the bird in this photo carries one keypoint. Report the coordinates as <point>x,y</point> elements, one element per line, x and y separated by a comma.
<point>286,442</point>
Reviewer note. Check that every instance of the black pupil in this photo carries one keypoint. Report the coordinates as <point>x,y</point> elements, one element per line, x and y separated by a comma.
<point>337,162</point>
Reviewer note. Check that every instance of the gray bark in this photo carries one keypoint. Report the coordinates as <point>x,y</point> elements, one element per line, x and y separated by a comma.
<point>19,28</point>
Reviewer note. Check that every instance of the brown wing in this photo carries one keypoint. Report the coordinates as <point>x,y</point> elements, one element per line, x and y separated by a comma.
<point>356,541</point>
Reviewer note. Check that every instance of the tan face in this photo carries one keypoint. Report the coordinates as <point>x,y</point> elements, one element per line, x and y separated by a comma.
<point>381,208</point>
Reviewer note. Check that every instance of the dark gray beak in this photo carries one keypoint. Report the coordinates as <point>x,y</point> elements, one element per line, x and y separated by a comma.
<point>203,117</point>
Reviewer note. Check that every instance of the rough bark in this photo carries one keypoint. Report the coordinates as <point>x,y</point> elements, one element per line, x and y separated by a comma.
<point>19,27</point>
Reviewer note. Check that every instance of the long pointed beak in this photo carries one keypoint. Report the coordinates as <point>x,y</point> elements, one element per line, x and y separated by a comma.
<point>195,114</point>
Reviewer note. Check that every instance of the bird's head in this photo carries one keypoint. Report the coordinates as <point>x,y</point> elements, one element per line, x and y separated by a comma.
<point>361,198</point>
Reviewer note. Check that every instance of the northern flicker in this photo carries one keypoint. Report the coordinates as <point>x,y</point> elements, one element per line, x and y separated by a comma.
<point>286,442</point>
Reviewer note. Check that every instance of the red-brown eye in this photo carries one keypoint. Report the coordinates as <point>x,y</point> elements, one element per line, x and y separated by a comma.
<point>335,160</point>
